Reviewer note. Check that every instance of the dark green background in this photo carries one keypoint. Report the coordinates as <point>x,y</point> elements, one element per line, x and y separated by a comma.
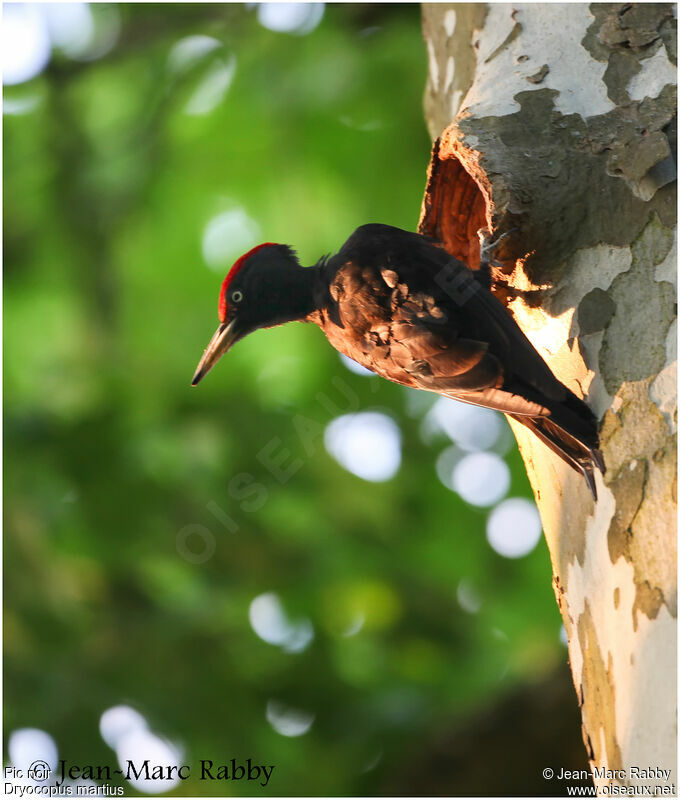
<point>109,454</point>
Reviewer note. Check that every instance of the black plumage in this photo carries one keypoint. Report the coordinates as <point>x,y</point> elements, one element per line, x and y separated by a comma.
<point>404,308</point>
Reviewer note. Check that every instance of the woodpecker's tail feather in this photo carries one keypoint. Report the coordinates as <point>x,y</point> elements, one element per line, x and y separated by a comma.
<point>567,426</point>
<point>570,449</point>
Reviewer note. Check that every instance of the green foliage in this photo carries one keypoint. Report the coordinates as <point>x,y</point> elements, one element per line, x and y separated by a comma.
<point>110,454</point>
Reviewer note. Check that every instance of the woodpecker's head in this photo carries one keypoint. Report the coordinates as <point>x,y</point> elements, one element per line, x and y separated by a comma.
<point>261,290</point>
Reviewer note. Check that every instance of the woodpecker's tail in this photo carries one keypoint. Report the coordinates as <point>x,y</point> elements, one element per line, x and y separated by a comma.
<point>583,456</point>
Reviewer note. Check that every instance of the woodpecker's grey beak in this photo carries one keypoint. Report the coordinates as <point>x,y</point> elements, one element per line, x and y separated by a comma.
<point>223,339</point>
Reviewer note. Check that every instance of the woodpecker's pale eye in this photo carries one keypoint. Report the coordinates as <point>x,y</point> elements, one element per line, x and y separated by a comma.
<point>237,296</point>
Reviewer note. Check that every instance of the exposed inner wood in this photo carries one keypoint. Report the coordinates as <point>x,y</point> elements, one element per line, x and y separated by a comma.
<point>454,208</point>
<point>458,202</point>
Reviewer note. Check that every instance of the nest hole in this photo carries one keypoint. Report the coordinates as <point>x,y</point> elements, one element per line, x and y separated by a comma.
<point>458,203</point>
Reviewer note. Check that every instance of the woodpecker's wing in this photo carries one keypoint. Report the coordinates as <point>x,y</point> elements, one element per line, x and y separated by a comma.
<point>437,358</point>
<point>414,314</point>
<point>441,313</point>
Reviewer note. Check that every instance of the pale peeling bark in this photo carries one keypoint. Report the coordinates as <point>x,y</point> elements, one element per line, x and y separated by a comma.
<point>564,116</point>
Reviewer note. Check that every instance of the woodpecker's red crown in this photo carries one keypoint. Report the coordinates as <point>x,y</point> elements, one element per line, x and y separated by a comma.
<point>222,308</point>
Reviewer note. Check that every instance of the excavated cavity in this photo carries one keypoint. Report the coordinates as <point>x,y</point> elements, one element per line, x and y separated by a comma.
<point>483,175</point>
<point>458,202</point>
<point>454,207</point>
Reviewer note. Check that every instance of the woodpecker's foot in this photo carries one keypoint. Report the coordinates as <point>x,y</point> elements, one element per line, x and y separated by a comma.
<point>487,245</point>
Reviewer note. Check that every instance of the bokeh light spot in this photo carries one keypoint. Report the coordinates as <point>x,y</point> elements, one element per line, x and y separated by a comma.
<point>127,732</point>
<point>468,597</point>
<point>367,444</point>
<point>16,106</point>
<point>356,624</point>
<point>417,403</point>
<point>298,18</point>
<point>27,745</point>
<point>71,27</point>
<point>471,427</point>
<point>227,236</point>
<point>288,721</point>
<point>212,88</point>
<point>446,463</point>
<point>140,745</point>
<point>189,50</point>
<point>481,479</point>
<point>24,42</point>
<point>354,366</point>
<point>120,721</point>
<point>269,621</point>
<point>514,527</point>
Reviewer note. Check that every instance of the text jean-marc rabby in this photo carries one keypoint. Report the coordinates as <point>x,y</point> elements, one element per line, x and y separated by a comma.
<point>207,770</point>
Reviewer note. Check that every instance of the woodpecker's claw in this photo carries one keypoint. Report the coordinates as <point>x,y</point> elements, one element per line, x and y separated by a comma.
<point>487,245</point>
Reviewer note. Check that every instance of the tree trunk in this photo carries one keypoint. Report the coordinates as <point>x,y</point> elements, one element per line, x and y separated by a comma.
<point>559,121</point>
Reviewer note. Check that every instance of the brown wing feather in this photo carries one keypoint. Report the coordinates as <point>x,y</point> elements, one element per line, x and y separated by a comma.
<point>414,315</point>
<point>500,400</point>
<point>406,338</point>
<point>401,336</point>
